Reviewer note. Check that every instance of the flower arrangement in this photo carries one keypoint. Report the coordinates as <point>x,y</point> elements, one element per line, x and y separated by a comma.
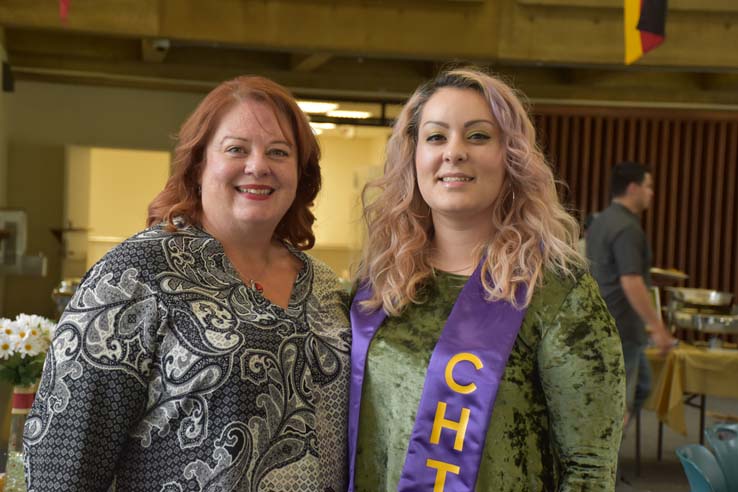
<point>23,345</point>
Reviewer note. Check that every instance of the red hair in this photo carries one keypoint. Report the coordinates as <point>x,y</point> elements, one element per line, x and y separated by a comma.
<point>180,198</point>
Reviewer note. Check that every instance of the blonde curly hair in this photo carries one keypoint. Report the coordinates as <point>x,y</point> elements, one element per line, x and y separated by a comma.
<point>533,231</point>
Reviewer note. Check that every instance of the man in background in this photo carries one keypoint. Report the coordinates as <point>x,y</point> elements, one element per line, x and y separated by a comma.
<point>620,259</point>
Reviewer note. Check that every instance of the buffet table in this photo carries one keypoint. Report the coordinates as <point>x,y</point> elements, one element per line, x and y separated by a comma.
<point>690,370</point>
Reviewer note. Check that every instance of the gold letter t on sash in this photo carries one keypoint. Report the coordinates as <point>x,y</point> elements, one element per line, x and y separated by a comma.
<point>441,470</point>
<point>440,421</point>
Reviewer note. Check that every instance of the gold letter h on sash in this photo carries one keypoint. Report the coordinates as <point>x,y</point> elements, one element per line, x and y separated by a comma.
<point>440,422</point>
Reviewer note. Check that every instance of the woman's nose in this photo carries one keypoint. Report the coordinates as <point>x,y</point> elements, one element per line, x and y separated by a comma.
<point>454,153</point>
<point>257,165</point>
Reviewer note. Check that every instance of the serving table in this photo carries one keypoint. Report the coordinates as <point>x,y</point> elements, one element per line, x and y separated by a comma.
<point>692,371</point>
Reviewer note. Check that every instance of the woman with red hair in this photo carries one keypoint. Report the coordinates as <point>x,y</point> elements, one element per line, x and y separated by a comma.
<point>208,352</point>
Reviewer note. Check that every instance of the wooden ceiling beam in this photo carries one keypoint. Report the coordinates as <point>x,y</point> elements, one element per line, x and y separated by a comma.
<point>154,50</point>
<point>308,63</point>
<point>576,32</point>
<point>74,44</point>
<point>117,17</point>
<point>185,69</point>
<point>555,32</point>
<point>557,48</point>
<point>406,29</point>
<point>362,82</point>
<point>721,6</point>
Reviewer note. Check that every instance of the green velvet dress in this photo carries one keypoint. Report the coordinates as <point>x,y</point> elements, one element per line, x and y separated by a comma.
<point>556,424</point>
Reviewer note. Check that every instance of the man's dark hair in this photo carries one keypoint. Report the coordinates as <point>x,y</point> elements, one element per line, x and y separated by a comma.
<point>624,173</point>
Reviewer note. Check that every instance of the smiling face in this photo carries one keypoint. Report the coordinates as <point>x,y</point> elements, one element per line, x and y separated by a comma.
<point>249,179</point>
<point>459,158</point>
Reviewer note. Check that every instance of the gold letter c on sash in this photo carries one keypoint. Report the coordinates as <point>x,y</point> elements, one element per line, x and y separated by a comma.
<point>460,357</point>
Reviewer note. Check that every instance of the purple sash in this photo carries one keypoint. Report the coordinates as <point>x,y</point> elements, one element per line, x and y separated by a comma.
<point>459,392</point>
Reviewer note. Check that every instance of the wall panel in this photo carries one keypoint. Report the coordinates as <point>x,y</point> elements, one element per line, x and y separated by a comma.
<point>731,206</point>
<point>692,222</point>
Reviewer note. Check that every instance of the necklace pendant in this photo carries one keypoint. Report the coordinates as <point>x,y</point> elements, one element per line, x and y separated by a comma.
<point>257,286</point>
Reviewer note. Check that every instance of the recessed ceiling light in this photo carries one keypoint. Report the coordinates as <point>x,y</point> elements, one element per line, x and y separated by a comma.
<point>341,113</point>
<point>316,106</point>
<point>322,126</point>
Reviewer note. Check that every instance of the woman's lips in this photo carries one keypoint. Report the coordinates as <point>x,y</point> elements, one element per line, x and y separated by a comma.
<point>455,180</point>
<point>255,192</point>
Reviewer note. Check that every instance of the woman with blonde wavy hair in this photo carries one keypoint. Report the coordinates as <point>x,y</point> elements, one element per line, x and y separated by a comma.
<point>483,357</point>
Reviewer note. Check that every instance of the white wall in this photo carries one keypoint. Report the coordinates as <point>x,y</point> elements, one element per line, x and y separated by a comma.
<point>337,203</point>
<point>107,192</point>
<point>344,165</point>
<point>122,183</point>
<point>35,185</point>
<point>76,210</point>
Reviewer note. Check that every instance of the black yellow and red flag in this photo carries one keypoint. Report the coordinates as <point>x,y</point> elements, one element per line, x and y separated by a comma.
<point>645,23</point>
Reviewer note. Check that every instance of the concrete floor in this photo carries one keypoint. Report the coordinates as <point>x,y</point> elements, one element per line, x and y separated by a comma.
<point>666,475</point>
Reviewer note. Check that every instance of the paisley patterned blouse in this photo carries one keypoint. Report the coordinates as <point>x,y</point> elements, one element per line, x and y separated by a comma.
<point>167,373</point>
<point>557,421</point>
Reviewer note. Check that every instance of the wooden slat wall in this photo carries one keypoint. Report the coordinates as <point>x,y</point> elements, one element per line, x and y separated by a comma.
<point>693,221</point>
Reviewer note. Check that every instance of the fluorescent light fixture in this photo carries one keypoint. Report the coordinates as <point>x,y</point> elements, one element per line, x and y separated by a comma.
<point>341,113</point>
<point>316,131</point>
<point>322,126</point>
<point>316,106</point>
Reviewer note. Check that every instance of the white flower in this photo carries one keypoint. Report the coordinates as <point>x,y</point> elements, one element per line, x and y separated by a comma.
<point>6,327</point>
<point>33,326</point>
<point>20,332</point>
<point>29,347</point>
<point>28,335</point>
<point>6,346</point>
<point>30,321</point>
<point>48,327</point>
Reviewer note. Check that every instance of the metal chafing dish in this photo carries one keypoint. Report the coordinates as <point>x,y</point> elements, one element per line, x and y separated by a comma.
<point>700,298</point>
<point>715,323</point>
<point>702,310</point>
<point>706,322</point>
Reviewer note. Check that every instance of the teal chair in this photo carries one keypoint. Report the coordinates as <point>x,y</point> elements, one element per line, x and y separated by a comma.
<point>702,469</point>
<point>723,439</point>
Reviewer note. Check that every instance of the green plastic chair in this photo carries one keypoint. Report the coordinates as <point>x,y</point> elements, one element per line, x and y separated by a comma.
<point>723,439</point>
<point>702,469</point>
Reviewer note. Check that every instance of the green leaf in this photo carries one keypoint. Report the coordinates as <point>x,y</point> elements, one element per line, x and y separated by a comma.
<point>20,371</point>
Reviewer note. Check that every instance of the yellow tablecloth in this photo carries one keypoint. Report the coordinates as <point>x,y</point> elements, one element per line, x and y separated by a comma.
<point>689,369</point>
